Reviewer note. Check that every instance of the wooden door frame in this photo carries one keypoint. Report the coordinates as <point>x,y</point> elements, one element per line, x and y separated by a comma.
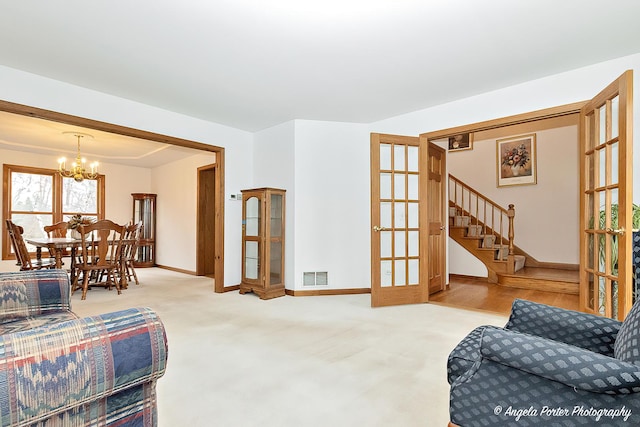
<point>547,113</point>
<point>39,113</point>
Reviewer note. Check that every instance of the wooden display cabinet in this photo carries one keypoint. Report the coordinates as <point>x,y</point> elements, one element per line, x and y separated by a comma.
<point>144,209</point>
<point>263,242</point>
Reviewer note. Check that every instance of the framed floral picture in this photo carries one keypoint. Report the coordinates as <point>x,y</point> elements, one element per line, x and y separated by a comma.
<point>516,160</point>
<point>463,141</point>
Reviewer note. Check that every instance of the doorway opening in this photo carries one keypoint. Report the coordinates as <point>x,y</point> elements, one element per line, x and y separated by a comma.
<point>217,225</point>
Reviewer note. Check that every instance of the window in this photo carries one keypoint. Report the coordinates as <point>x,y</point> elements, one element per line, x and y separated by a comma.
<point>35,197</point>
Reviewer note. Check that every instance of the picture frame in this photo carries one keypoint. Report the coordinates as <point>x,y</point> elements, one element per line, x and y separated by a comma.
<point>460,142</point>
<point>516,160</point>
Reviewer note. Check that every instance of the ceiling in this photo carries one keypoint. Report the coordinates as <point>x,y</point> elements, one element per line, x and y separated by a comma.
<point>252,64</point>
<point>23,133</point>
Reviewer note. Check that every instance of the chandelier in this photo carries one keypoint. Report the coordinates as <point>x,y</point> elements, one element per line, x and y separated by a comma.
<point>78,170</point>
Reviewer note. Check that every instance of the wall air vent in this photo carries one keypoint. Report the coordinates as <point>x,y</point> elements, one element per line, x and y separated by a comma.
<point>315,278</point>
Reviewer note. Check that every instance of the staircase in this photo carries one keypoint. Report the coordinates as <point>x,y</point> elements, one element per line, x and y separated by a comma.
<point>486,230</point>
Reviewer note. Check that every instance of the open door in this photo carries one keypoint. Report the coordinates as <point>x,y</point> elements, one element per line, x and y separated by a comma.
<point>398,260</point>
<point>606,201</point>
<point>435,211</point>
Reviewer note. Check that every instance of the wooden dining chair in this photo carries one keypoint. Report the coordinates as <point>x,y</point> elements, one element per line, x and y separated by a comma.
<point>59,229</point>
<point>22,253</point>
<point>129,249</point>
<point>99,253</point>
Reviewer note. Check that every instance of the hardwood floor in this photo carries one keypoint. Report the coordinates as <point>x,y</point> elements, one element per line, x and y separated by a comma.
<point>477,293</point>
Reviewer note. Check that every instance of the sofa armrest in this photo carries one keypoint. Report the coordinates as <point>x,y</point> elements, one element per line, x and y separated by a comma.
<point>588,331</point>
<point>570,365</point>
<point>50,369</point>
<point>28,293</point>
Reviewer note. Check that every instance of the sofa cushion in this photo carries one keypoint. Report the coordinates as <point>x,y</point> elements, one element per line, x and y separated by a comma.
<point>26,323</point>
<point>30,293</point>
<point>627,345</point>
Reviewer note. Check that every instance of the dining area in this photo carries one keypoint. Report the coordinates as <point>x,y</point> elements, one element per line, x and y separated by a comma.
<point>94,252</point>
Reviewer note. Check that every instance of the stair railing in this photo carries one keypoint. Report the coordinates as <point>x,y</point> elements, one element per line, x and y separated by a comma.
<point>488,217</point>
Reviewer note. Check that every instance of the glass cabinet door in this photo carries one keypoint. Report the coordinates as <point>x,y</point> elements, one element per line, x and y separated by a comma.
<point>252,238</point>
<point>275,232</point>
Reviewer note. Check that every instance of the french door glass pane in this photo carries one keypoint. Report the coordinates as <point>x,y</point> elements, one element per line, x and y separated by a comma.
<point>399,186</point>
<point>413,272</point>
<point>398,158</point>
<point>400,244</point>
<point>412,220</point>
<point>385,185</point>
<point>412,159</point>
<point>615,125</point>
<point>400,278</point>
<point>602,136</point>
<point>602,155</point>
<point>400,216</point>
<point>413,243</point>
<point>385,156</point>
<point>385,214</point>
<point>385,274</point>
<point>385,244</point>
<point>412,190</point>
<point>614,163</point>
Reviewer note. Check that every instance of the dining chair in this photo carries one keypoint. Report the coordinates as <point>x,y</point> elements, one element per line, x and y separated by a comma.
<point>59,229</point>
<point>129,249</point>
<point>22,253</point>
<point>99,253</point>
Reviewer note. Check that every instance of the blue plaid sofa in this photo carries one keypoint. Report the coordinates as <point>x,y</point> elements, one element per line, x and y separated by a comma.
<point>57,369</point>
<point>548,366</point>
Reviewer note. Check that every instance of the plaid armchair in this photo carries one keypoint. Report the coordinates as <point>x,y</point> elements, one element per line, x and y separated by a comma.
<point>58,369</point>
<point>548,366</point>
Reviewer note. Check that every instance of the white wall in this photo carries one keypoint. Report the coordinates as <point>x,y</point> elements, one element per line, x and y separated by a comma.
<point>333,219</point>
<point>273,162</point>
<point>176,186</point>
<point>30,89</point>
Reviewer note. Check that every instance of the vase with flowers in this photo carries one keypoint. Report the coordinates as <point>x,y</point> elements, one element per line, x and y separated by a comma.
<point>516,159</point>
<point>76,221</point>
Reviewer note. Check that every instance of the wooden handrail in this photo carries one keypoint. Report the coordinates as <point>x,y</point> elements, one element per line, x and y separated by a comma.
<point>483,212</point>
<point>457,181</point>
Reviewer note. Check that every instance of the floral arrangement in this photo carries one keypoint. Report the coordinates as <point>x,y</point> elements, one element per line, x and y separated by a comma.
<point>516,156</point>
<point>77,220</point>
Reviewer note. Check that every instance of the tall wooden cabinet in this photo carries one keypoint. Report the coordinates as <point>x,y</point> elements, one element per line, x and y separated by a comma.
<point>144,209</point>
<point>263,242</point>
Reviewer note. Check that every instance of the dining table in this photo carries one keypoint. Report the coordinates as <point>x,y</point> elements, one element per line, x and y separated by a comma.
<point>57,245</point>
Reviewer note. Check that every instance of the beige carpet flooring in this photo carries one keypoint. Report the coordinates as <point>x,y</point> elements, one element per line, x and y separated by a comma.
<point>235,360</point>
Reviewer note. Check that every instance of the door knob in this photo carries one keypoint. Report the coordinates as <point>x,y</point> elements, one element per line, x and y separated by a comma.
<point>378,228</point>
<point>619,231</point>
